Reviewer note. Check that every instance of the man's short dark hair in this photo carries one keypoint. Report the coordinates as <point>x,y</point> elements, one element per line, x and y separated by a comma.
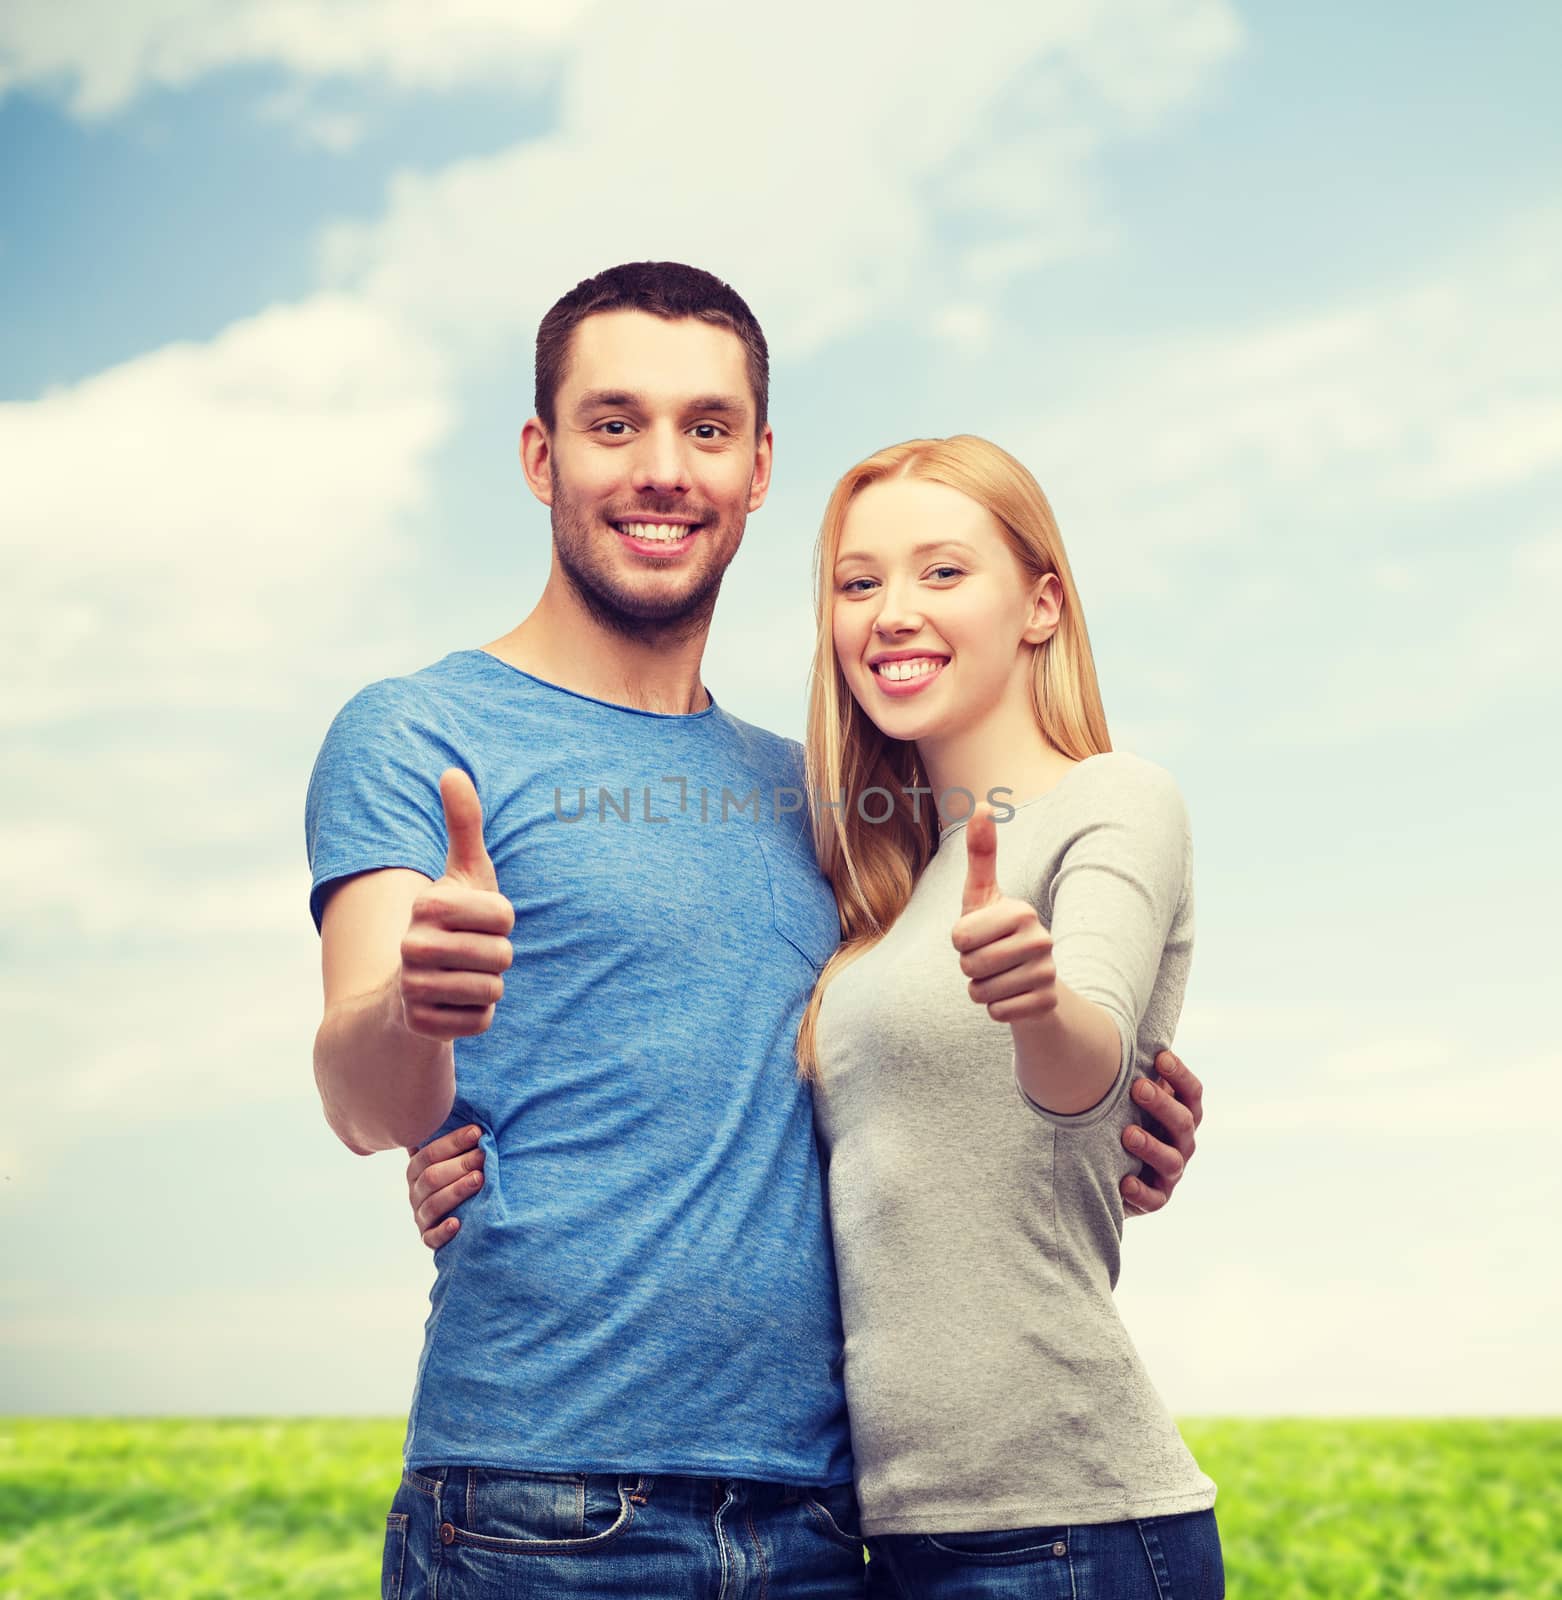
<point>664,289</point>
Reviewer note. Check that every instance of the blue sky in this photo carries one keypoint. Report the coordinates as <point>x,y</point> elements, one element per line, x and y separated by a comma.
<point>1267,300</point>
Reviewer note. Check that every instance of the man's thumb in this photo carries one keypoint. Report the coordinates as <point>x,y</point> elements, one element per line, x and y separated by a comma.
<point>467,857</point>
<point>981,860</point>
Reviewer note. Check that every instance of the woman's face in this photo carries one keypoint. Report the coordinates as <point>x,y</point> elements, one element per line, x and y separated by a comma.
<point>932,612</point>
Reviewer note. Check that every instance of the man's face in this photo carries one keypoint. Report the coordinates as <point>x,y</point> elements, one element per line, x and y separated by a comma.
<point>652,468</point>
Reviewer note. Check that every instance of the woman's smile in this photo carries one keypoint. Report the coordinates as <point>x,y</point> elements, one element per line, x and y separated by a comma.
<point>900,673</point>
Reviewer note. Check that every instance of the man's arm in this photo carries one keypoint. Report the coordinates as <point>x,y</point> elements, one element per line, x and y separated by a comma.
<point>381,1085</point>
<point>440,1175</point>
<point>1176,1102</point>
<point>449,1170</point>
<point>409,966</point>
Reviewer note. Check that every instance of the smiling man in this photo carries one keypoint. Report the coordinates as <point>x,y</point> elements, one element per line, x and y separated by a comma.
<point>631,1374</point>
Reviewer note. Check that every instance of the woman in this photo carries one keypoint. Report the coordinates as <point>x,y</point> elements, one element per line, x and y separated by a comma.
<point>972,1052</point>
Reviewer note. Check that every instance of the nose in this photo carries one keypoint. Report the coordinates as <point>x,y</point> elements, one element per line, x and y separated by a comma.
<point>897,614</point>
<point>661,463</point>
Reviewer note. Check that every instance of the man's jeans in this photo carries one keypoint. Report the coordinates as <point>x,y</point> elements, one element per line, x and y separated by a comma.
<point>1149,1558</point>
<point>479,1533</point>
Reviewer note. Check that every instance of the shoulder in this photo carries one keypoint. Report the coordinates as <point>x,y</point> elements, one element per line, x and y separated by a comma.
<point>1128,785</point>
<point>430,691</point>
<point>385,695</point>
<point>1120,806</point>
<point>412,717</point>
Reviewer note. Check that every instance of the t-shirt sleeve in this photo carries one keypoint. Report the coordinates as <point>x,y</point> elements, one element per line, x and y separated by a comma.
<point>373,798</point>
<point>1114,895</point>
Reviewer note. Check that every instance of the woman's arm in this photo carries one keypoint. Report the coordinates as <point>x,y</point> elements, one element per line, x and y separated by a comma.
<point>1067,1050</point>
<point>1115,894</point>
<point>1066,1060</point>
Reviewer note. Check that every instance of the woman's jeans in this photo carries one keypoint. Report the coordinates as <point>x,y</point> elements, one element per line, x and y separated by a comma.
<point>1150,1558</point>
<point>478,1533</point>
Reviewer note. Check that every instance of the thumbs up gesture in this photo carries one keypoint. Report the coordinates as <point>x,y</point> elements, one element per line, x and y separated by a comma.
<point>1004,950</point>
<point>458,941</point>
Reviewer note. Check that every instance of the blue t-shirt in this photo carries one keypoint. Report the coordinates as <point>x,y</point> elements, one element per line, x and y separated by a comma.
<point>644,1282</point>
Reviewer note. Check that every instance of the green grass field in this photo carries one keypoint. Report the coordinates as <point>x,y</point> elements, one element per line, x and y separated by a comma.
<point>217,1510</point>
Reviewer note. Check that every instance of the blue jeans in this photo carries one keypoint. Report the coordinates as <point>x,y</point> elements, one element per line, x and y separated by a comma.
<point>1150,1558</point>
<point>479,1533</point>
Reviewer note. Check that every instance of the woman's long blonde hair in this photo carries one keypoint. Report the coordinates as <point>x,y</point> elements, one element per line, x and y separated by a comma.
<point>873,866</point>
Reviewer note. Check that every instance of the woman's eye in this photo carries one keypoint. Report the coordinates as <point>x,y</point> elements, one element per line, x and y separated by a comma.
<point>946,572</point>
<point>853,586</point>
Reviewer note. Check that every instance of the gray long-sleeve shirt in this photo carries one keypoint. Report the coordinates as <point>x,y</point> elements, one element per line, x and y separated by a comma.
<point>990,1381</point>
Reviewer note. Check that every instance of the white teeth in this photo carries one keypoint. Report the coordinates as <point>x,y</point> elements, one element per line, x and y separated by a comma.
<point>664,532</point>
<point>900,671</point>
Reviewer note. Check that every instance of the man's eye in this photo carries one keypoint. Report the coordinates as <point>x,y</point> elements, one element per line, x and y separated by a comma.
<point>616,424</point>
<point>707,430</point>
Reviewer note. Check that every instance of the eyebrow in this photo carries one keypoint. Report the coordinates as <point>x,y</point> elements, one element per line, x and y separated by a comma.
<point>724,405</point>
<point>925,548</point>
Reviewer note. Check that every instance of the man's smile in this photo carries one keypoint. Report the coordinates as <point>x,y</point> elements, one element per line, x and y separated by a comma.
<point>657,536</point>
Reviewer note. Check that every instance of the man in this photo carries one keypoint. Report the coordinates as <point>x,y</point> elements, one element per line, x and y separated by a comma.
<point>631,1376</point>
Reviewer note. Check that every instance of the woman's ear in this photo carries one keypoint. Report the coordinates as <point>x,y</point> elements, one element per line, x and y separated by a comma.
<point>1046,609</point>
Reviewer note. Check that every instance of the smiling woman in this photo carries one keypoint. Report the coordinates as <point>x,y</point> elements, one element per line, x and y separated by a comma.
<point>942,554</point>
<point>971,1101</point>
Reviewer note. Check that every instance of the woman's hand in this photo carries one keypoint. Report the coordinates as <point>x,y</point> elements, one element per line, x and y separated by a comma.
<point>440,1175</point>
<point>1004,950</point>
<point>1007,955</point>
<point>1175,1099</point>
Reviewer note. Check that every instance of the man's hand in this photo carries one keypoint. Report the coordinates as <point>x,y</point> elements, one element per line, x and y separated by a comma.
<point>458,940</point>
<point>1174,1099</point>
<point>440,1175</point>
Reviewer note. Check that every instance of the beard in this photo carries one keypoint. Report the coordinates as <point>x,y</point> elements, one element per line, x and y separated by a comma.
<point>667,618</point>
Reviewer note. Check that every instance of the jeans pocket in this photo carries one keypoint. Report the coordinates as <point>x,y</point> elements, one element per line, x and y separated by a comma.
<point>1184,1553</point>
<point>539,1513</point>
<point>1003,1546</point>
<point>836,1512</point>
<point>395,1555</point>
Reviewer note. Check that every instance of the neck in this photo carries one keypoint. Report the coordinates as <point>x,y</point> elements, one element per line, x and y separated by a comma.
<point>1005,751</point>
<point>562,642</point>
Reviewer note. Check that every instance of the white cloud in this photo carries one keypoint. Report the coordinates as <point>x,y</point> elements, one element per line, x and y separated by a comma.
<point>176,1030</point>
<point>1441,1102</point>
<point>1481,641</point>
<point>1389,1058</point>
<point>294,106</point>
<point>1321,459</point>
<point>181,520</point>
<point>1516,439</point>
<point>69,879</point>
<point>1442,386</point>
<point>821,182</point>
<point>1243,1323</point>
<point>965,325</point>
<point>1305,1265</point>
<point>107,54</point>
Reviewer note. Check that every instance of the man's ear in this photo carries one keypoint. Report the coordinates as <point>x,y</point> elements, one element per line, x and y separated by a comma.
<point>764,454</point>
<point>536,454</point>
<point>1046,609</point>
